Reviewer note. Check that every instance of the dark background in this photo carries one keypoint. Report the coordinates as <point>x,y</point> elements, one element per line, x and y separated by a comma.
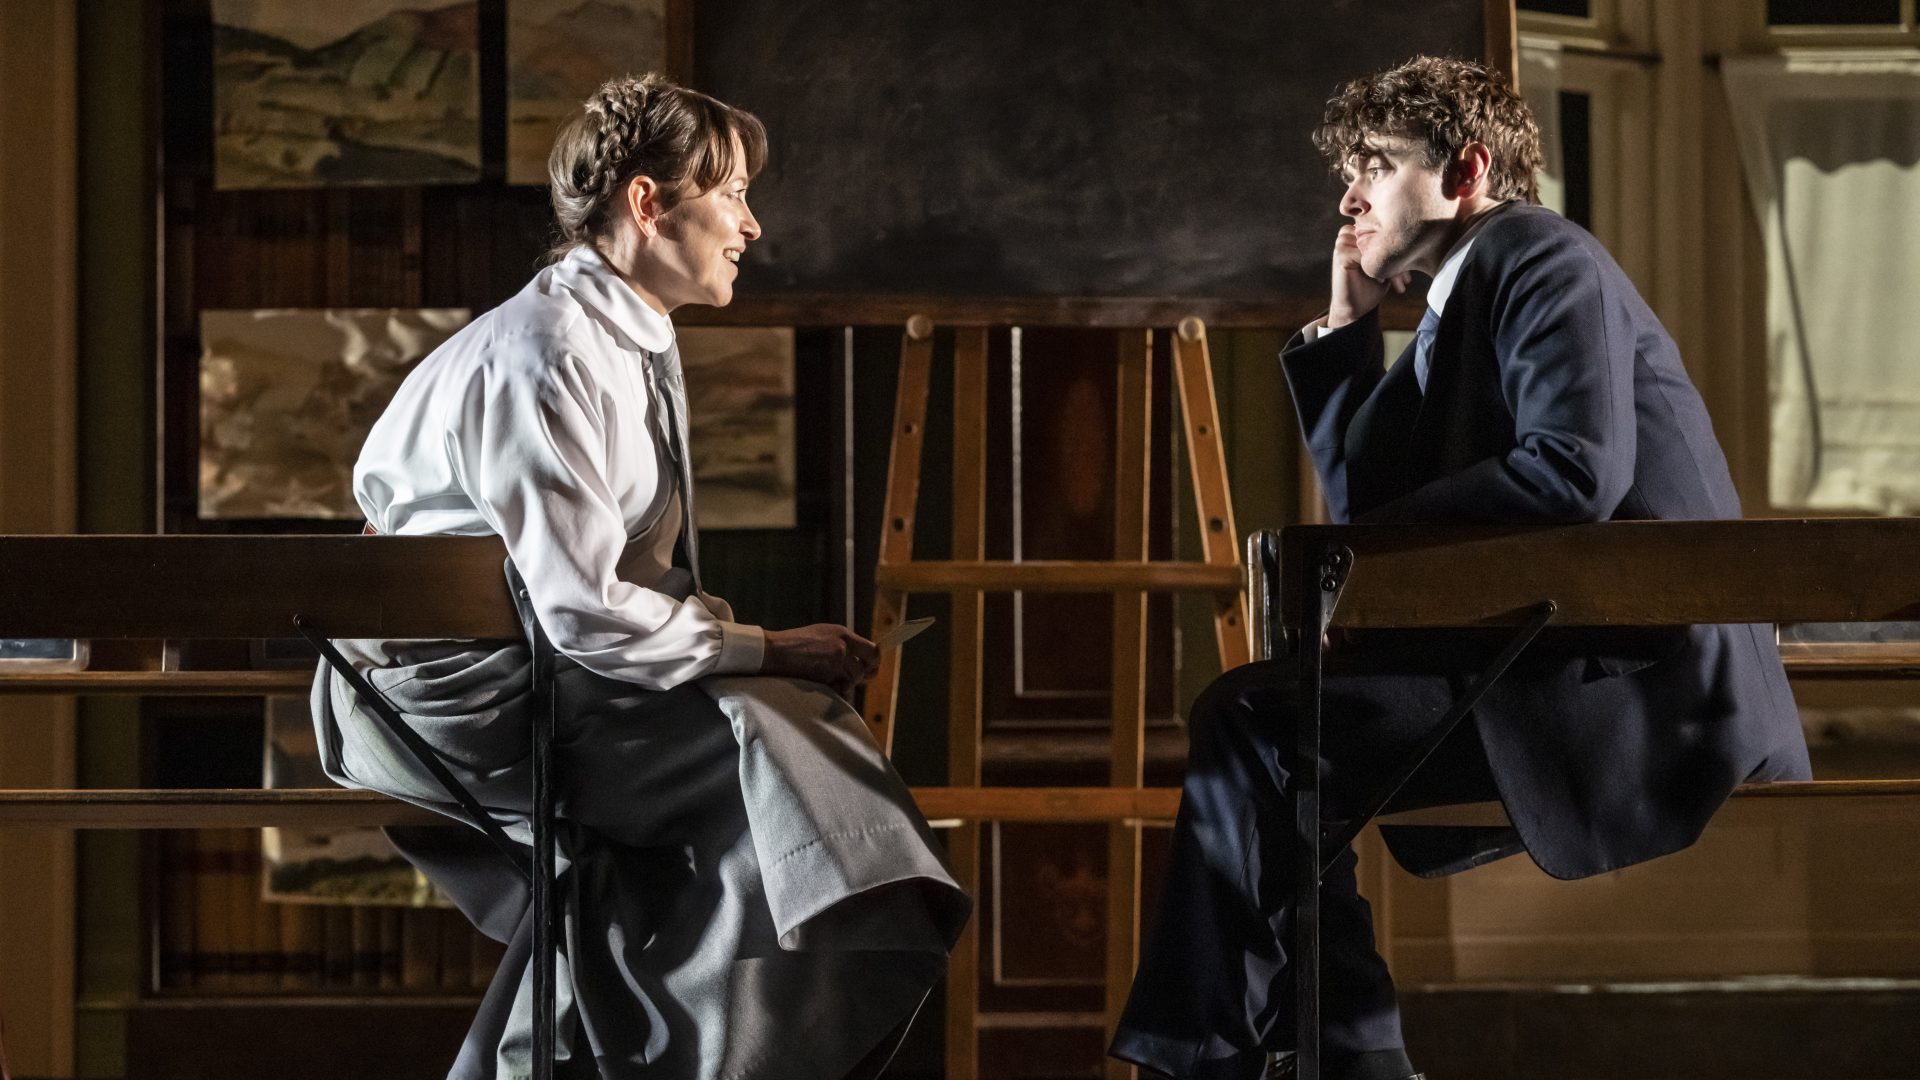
<point>1067,148</point>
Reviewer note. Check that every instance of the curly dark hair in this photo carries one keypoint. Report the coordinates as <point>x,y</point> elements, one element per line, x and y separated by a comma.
<point>643,125</point>
<point>1440,105</point>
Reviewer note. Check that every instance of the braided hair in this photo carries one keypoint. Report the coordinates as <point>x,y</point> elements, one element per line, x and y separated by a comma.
<point>643,126</point>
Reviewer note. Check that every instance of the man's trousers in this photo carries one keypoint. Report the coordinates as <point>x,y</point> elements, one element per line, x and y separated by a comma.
<point>1214,992</point>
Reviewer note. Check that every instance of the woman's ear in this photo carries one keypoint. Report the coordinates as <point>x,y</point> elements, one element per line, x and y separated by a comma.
<point>643,205</point>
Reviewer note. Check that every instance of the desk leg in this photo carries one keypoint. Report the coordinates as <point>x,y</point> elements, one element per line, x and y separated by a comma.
<point>1322,575</point>
<point>1306,825</point>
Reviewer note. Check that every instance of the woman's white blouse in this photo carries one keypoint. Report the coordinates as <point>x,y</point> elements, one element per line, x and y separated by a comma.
<point>539,422</point>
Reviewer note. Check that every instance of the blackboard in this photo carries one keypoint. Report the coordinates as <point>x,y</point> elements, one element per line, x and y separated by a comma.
<point>1052,148</point>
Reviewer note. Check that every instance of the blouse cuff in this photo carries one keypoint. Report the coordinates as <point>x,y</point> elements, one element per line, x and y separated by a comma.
<point>742,647</point>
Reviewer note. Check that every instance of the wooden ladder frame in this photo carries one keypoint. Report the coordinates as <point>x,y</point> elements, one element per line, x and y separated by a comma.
<point>1129,576</point>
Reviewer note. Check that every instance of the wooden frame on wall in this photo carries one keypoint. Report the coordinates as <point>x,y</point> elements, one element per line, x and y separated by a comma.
<point>38,464</point>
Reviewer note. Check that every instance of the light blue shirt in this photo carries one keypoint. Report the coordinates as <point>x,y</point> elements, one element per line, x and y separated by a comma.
<point>1437,294</point>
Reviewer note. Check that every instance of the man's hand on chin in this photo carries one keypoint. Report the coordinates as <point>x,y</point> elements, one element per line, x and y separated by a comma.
<point>1354,293</point>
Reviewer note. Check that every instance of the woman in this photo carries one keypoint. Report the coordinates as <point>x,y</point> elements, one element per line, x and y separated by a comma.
<point>748,890</point>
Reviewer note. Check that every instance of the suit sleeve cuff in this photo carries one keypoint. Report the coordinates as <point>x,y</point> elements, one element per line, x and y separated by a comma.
<point>1317,338</point>
<point>742,648</point>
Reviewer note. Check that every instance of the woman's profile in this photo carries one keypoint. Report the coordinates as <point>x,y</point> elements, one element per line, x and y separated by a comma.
<point>747,888</point>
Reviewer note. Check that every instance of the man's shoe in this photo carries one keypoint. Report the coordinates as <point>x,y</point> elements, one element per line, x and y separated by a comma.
<point>1280,1067</point>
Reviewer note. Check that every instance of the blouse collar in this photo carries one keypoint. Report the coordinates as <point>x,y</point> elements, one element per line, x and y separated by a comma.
<point>597,286</point>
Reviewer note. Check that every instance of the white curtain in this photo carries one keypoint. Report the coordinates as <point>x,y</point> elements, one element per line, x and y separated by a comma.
<point>1830,149</point>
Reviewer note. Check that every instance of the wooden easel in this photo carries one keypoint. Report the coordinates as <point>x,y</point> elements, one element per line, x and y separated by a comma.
<point>968,576</point>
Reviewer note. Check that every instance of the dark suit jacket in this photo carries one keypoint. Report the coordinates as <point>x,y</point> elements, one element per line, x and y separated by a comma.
<point>1555,396</point>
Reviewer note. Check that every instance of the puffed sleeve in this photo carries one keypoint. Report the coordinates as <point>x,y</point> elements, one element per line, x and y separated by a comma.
<point>530,444</point>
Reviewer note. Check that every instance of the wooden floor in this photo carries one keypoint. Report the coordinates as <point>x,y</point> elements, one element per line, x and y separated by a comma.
<point>1786,1029</point>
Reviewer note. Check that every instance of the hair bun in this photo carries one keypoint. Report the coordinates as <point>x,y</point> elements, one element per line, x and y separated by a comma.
<point>642,124</point>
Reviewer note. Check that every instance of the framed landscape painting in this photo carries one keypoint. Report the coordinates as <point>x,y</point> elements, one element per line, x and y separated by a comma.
<point>287,397</point>
<point>740,408</point>
<point>345,92</point>
<point>559,52</point>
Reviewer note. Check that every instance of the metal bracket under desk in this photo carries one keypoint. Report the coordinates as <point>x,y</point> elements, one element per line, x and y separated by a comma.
<point>1321,579</point>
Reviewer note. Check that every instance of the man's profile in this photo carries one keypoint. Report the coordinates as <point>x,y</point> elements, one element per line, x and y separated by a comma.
<point>1539,389</point>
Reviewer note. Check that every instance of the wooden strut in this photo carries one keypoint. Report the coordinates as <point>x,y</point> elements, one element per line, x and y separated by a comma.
<point>967,575</point>
<point>968,613</point>
<point>896,529</point>
<point>1804,661</point>
<point>1768,804</point>
<point>1133,443</point>
<point>1207,459</point>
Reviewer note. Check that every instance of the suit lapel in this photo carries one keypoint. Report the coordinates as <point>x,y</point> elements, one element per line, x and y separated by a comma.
<point>1378,437</point>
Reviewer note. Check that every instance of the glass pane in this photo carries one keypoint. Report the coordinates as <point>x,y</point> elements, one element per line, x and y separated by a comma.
<point>1579,9</point>
<point>43,654</point>
<point>1576,157</point>
<point>1833,12</point>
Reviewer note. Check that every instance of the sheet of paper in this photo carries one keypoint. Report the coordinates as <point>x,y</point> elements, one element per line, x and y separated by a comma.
<point>901,634</point>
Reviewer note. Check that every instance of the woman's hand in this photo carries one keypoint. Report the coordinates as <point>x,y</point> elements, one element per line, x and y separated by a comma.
<point>824,652</point>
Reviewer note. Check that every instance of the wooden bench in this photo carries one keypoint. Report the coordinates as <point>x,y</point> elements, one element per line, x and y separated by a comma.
<point>137,598</point>
<point>1612,574</point>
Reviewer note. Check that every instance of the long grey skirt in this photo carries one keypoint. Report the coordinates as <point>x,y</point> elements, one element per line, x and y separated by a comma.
<point>747,889</point>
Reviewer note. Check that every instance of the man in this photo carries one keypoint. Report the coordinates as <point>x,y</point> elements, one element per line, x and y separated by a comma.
<point>1540,389</point>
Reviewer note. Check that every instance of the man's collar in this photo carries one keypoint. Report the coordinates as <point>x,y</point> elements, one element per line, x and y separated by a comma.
<point>1443,279</point>
<point>1442,286</point>
<point>598,287</point>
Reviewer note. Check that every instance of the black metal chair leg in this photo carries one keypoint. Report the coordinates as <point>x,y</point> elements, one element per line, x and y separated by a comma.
<point>1321,580</point>
<point>544,912</point>
<point>1339,840</point>
<point>540,877</point>
<point>543,698</point>
<point>417,746</point>
<point>1322,576</point>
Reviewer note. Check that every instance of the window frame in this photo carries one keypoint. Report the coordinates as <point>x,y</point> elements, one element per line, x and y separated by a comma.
<point>1609,25</point>
<point>1760,36</point>
<point>1619,83</point>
